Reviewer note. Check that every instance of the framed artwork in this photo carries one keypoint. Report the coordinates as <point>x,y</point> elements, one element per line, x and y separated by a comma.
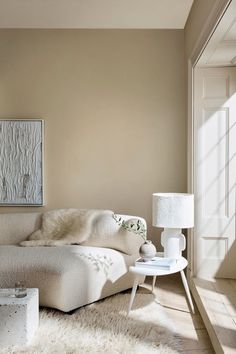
<point>21,162</point>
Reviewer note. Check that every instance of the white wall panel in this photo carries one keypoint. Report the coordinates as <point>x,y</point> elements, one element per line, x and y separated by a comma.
<point>215,172</point>
<point>215,147</point>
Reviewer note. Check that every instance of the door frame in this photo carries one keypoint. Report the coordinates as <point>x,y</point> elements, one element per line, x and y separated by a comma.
<point>208,29</point>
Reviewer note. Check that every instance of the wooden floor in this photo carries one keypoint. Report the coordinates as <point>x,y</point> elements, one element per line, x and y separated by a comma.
<point>170,293</point>
<point>217,303</point>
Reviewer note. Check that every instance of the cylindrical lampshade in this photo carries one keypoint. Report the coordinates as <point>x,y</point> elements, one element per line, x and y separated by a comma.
<point>173,210</point>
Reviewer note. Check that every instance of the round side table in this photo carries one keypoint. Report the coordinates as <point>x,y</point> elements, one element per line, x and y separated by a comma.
<point>181,264</point>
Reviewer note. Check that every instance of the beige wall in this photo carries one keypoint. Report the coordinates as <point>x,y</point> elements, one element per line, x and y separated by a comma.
<point>113,103</point>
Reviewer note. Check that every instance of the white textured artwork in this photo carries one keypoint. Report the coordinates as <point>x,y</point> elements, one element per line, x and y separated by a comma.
<point>21,177</point>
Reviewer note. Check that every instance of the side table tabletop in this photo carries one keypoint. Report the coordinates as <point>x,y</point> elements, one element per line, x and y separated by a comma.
<point>140,271</point>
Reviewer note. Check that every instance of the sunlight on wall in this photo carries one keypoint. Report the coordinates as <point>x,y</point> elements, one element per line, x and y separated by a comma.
<point>215,172</point>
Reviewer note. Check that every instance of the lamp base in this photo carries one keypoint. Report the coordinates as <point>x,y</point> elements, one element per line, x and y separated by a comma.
<point>173,242</point>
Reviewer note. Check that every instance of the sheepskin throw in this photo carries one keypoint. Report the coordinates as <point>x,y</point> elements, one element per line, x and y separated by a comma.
<point>65,227</point>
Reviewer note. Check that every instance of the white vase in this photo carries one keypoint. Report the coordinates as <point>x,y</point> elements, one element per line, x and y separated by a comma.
<point>147,250</point>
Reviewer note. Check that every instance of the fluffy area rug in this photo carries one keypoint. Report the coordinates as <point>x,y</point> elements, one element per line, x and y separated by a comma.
<point>104,327</point>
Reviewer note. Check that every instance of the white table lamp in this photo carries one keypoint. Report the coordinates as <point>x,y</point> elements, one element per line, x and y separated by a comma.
<point>173,212</point>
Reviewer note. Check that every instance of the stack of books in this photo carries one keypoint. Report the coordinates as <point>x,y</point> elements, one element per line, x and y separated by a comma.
<point>157,263</point>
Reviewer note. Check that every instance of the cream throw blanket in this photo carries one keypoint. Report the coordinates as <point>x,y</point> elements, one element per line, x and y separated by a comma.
<point>65,227</point>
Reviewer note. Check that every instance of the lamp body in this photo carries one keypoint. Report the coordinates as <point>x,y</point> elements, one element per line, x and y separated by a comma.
<point>173,212</point>
<point>174,243</point>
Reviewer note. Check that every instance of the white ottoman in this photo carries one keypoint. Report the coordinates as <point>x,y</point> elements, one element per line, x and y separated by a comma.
<point>19,317</point>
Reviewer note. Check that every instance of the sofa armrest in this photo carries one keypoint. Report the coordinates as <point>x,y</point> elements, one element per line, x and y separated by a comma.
<point>109,233</point>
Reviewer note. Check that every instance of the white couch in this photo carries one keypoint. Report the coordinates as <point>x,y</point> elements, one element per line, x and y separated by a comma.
<point>67,276</point>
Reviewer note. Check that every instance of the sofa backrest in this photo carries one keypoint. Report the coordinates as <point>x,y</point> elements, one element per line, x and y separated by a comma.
<point>15,228</point>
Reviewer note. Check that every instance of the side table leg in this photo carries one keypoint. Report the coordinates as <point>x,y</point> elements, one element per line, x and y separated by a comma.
<point>153,282</point>
<point>133,293</point>
<point>185,283</point>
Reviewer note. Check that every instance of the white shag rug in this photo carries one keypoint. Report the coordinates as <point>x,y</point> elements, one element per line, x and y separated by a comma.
<point>104,327</point>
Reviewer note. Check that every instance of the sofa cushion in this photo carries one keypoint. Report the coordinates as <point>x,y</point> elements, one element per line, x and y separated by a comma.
<point>107,232</point>
<point>67,276</point>
<point>15,228</point>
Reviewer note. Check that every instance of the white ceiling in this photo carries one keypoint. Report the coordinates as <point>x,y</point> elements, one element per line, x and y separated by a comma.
<point>94,13</point>
<point>221,49</point>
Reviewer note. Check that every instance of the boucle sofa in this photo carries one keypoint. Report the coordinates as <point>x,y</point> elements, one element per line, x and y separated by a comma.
<point>68,276</point>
